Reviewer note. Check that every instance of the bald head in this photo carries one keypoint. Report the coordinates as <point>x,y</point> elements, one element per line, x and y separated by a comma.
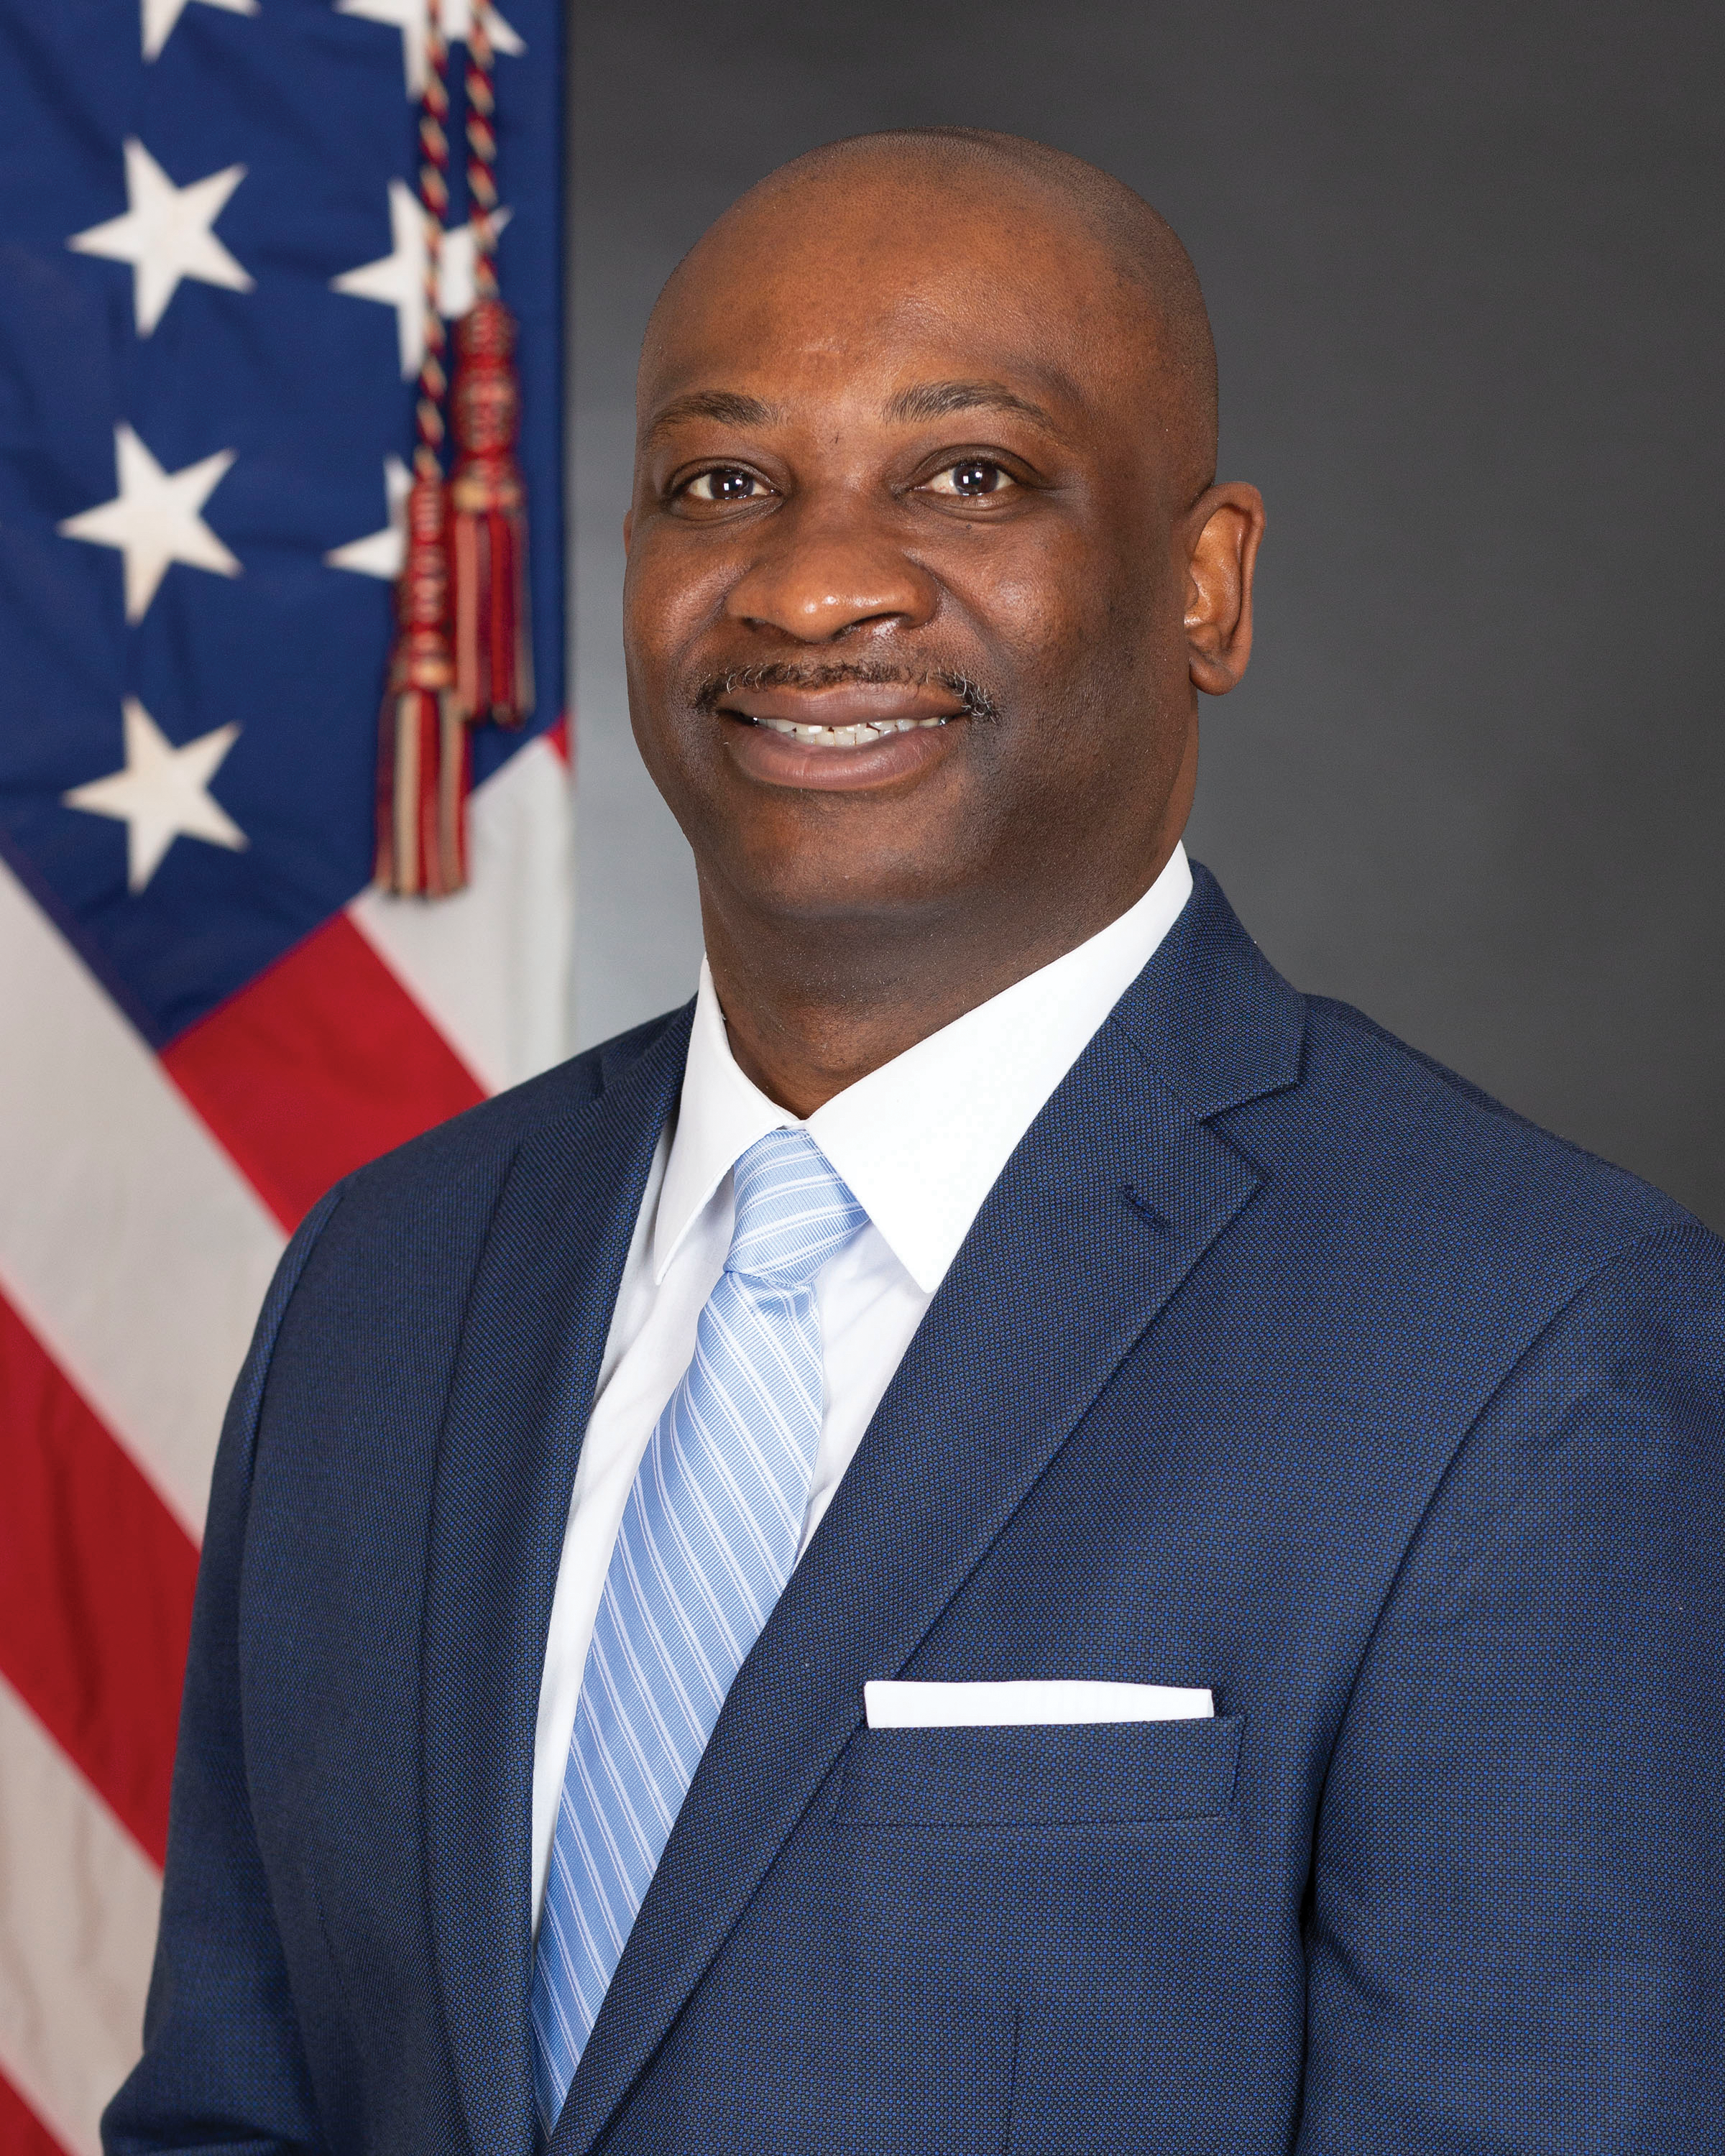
<point>1125,257</point>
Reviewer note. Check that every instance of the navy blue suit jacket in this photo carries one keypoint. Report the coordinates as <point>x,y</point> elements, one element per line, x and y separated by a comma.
<point>1278,1361</point>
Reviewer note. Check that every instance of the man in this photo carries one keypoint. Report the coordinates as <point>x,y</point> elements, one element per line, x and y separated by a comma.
<point>1004,1533</point>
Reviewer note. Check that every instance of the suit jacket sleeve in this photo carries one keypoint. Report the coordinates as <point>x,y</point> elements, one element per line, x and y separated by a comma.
<point>223,2071</point>
<point>1516,1940</point>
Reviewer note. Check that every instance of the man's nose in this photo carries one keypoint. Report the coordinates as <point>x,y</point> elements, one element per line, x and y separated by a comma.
<point>826,570</point>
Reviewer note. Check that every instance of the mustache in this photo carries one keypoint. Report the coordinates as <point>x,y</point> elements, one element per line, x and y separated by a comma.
<point>717,689</point>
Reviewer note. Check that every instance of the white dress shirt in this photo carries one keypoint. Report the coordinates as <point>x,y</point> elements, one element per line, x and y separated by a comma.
<point>919,1142</point>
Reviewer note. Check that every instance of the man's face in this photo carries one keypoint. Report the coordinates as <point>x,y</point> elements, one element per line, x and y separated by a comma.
<point>903,479</point>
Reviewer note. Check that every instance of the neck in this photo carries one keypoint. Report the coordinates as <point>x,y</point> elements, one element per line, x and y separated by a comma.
<point>811,1008</point>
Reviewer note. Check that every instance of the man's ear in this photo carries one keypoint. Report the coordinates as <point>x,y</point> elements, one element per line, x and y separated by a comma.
<point>1223,527</point>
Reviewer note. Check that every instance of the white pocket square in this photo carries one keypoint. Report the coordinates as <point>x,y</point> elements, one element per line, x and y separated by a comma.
<point>891,1705</point>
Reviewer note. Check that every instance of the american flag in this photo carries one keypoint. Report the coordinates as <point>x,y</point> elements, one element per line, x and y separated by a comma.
<point>210,316</point>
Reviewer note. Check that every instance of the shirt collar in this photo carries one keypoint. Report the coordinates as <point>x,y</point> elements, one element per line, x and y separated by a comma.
<point>922,1140</point>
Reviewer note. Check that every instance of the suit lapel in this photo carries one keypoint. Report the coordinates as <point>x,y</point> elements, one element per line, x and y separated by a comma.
<point>525,1376</point>
<point>1115,1192</point>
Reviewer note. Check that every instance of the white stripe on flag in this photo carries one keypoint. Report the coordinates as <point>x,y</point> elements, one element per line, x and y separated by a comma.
<point>129,1241</point>
<point>491,968</point>
<point>80,1901</point>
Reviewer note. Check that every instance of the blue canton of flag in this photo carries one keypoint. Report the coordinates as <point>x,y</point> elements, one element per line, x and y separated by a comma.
<point>210,318</point>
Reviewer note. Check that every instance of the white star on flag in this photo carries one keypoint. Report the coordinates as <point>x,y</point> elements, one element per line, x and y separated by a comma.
<point>162,793</point>
<point>379,553</point>
<point>408,16</point>
<point>156,519</point>
<point>160,17</point>
<point>397,279</point>
<point>165,235</point>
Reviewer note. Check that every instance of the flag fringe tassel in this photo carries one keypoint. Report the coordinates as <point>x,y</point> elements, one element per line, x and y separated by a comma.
<point>488,532</point>
<point>422,769</point>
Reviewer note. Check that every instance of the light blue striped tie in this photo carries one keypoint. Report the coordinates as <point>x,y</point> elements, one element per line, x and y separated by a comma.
<point>707,1542</point>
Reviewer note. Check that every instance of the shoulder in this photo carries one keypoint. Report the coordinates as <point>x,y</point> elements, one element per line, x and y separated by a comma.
<point>1376,1154</point>
<point>1427,1122</point>
<point>455,1164</point>
<point>1403,1162</point>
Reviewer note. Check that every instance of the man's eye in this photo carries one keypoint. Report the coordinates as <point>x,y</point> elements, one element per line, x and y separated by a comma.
<point>972,480</point>
<point>727,484</point>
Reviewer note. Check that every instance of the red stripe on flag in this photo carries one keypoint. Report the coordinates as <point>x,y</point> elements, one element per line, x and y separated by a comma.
<point>96,1578</point>
<point>321,1065</point>
<point>21,2133</point>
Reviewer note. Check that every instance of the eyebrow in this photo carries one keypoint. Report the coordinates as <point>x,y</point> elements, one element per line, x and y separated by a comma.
<point>935,400</point>
<point>924,400</point>
<point>729,407</point>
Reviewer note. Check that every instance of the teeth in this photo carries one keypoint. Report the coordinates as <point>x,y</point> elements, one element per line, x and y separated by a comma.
<point>857,736</point>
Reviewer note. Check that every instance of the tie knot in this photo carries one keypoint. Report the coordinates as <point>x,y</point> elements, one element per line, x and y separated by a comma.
<point>793,1211</point>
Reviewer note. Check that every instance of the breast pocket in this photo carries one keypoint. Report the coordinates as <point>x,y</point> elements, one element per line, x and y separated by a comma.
<point>1058,1774</point>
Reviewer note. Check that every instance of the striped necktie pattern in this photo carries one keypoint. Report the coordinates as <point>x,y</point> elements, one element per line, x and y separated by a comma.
<point>708,1541</point>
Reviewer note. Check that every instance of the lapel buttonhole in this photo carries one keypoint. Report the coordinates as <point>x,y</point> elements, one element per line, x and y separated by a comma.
<point>1145,1211</point>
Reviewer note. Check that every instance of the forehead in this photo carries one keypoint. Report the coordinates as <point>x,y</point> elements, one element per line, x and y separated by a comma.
<point>847,292</point>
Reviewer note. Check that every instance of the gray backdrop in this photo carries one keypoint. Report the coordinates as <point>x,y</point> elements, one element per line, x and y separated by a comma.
<point>1466,270</point>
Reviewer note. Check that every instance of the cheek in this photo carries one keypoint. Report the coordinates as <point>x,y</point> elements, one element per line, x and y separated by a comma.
<point>670,593</point>
<point>1060,606</point>
<point>659,622</point>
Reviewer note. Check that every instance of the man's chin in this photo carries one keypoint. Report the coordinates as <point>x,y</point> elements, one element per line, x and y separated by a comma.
<point>849,894</point>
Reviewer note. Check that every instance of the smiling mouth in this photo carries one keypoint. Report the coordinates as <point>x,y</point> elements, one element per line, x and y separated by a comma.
<point>844,706</point>
<point>861,735</point>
